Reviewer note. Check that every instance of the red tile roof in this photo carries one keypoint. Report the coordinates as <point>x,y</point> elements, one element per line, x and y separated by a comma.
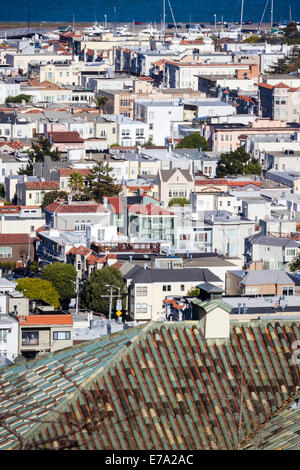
<point>13,238</point>
<point>243,183</point>
<point>93,259</point>
<point>65,137</point>
<point>149,209</point>
<point>41,185</point>
<point>13,145</point>
<point>68,208</point>
<point>211,182</point>
<point>266,85</point>
<point>70,171</point>
<point>63,319</point>
<point>116,204</point>
<point>281,85</point>
<point>79,250</point>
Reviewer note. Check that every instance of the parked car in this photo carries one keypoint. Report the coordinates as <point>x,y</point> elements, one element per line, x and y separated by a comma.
<point>138,22</point>
<point>249,22</point>
<point>171,26</point>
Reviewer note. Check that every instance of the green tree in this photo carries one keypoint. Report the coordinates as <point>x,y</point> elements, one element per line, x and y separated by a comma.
<point>42,148</point>
<point>100,102</point>
<point>34,267</point>
<point>252,39</point>
<point>28,170</point>
<point>18,99</point>
<point>53,196</point>
<point>178,201</point>
<point>76,183</point>
<point>101,183</point>
<point>63,278</point>
<point>288,63</point>
<point>291,30</point>
<point>193,141</point>
<point>35,288</point>
<point>194,291</point>
<point>95,288</point>
<point>237,162</point>
<point>295,264</point>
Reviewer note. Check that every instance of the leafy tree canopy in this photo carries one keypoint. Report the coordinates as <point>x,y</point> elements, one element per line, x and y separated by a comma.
<point>252,39</point>
<point>194,291</point>
<point>35,288</point>
<point>42,148</point>
<point>76,183</point>
<point>18,99</point>
<point>28,170</point>
<point>178,201</point>
<point>63,278</point>
<point>288,63</point>
<point>53,196</point>
<point>101,183</point>
<point>295,264</point>
<point>100,102</point>
<point>193,141</point>
<point>96,287</point>
<point>237,162</point>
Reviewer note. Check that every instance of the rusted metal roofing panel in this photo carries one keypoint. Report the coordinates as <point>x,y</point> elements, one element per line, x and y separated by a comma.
<point>169,388</point>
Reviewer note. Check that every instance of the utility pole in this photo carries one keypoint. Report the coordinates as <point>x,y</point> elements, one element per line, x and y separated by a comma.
<point>77,295</point>
<point>111,297</point>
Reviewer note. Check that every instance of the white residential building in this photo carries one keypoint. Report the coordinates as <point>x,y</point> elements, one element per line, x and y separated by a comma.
<point>159,116</point>
<point>129,132</point>
<point>229,233</point>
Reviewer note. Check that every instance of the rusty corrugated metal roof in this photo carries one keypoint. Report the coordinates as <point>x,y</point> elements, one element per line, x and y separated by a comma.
<point>169,388</point>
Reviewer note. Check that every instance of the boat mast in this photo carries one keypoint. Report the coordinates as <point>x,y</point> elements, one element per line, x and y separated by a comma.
<point>272,13</point>
<point>164,17</point>
<point>242,12</point>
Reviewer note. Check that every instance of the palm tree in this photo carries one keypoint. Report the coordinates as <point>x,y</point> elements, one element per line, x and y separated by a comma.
<point>100,102</point>
<point>76,183</point>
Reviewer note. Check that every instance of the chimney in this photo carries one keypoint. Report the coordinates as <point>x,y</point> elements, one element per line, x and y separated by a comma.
<point>69,199</point>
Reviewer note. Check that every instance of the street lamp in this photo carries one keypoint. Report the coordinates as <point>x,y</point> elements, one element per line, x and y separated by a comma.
<point>105,20</point>
<point>215,21</point>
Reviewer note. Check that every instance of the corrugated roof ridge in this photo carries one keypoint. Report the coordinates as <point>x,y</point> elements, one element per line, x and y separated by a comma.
<point>84,385</point>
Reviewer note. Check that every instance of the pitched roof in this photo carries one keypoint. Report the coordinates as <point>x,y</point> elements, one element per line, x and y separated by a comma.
<point>116,204</point>
<point>66,137</point>
<point>259,239</point>
<point>167,174</point>
<point>70,171</point>
<point>213,181</point>
<point>266,85</point>
<point>276,276</point>
<point>243,183</point>
<point>28,320</point>
<point>79,250</point>
<point>62,207</point>
<point>14,238</point>
<point>148,209</point>
<point>140,275</point>
<point>159,386</point>
<point>41,185</point>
